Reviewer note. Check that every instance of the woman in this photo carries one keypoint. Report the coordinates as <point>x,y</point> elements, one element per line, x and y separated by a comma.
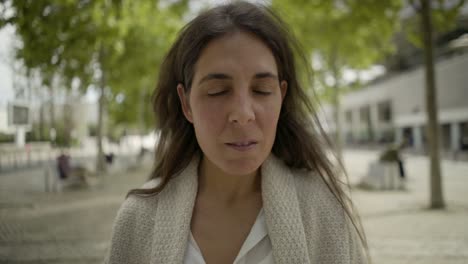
<point>241,175</point>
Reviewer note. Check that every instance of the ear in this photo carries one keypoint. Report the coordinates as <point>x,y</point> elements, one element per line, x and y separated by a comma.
<point>283,88</point>
<point>184,102</point>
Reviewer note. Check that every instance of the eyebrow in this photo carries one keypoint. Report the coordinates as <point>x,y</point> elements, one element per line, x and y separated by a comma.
<point>223,76</point>
<point>262,75</point>
<point>215,76</point>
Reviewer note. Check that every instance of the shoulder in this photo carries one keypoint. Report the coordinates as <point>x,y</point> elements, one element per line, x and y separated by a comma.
<point>317,199</point>
<point>134,221</point>
<point>308,184</point>
<point>137,207</point>
<point>312,185</point>
<point>325,218</point>
<point>317,202</point>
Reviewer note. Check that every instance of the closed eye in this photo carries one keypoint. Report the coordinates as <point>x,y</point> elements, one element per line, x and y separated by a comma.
<point>218,93</point>
<point>260,92</point>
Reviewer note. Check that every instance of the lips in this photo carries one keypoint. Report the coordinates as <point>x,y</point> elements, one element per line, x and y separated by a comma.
<point>242,145</point>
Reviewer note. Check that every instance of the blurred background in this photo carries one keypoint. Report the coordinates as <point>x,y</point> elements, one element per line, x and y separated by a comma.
<point>77,131</point>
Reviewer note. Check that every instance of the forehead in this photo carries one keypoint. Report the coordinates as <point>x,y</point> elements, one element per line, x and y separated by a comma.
<point>236,53</point>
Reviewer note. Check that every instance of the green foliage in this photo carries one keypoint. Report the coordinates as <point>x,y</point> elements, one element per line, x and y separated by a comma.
<point>6,138</point>
<point>62,139</point>
<point>444,16</point>
<point>38,133</point>
<point>77,41</point>
<point>353,34</point>
<point>92,130</point>
<point>148,39</point>
<point>54,38</point>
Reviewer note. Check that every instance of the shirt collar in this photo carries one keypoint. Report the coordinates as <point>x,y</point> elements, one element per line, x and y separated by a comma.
<point>257,234</point>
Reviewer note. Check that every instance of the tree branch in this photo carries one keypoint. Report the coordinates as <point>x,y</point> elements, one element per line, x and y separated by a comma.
<point>460,4</point>
<point>415,6</point>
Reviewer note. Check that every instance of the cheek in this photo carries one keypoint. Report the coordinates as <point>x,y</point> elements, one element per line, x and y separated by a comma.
<point>267,120</point>
<point>208,117</point>
<point>271,112</point>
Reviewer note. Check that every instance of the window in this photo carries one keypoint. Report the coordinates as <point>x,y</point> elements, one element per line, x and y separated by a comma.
<point>349,117</point>
<point>385,112</point>
<point>364,114</point>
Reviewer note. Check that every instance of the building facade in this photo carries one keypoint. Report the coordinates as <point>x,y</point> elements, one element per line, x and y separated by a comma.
<point>394,108</point>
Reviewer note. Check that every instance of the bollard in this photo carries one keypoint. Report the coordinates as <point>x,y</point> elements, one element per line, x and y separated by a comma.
<point>390,176</point>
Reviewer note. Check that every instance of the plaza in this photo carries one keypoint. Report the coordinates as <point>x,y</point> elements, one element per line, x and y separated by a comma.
<point>75,226</point>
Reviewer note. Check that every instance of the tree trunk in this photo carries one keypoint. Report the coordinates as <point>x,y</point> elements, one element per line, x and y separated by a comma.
<point>67,119</point>
<point>141,115</point>
<point>52,111</point>
<point>337,107</point>
<point>432,129</point>
<point>41,122</point>
<point>100,165</point>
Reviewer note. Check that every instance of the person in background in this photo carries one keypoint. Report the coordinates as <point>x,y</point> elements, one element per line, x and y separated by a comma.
<point>63,165</point>
<point>392,154</point>
<point>109,158</point>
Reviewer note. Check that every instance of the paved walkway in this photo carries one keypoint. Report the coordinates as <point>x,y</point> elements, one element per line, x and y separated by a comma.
<point>67,227</point>
<point>75,227</point>
<point>399,226</point>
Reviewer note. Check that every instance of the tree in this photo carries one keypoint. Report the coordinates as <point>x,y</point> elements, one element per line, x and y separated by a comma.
<point>52,42</point>
<point>85,42</point>
<point>437,200</point>
<point>145,46</point>
<point>341,34</point>
<point>446,15</point>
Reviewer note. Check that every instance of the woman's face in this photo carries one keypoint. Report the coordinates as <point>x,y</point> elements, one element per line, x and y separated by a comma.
<point>234,102</point>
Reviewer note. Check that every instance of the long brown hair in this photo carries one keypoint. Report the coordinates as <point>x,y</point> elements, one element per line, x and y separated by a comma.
<point>300,140</point>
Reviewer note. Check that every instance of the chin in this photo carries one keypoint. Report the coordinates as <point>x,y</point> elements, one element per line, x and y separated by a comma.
<point>241,166</point>
<point>238,164</point>
<point>241,171</point>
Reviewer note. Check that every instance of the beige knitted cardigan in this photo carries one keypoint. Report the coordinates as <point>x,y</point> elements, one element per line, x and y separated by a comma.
<point>305,222</point>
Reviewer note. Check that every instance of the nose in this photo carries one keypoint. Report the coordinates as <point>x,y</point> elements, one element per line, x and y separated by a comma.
<point>242,111</point>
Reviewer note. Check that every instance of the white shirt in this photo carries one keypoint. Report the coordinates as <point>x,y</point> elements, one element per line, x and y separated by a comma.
<point>255,250</point>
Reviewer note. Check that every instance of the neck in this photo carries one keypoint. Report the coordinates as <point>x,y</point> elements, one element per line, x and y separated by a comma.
<point>226,188</point>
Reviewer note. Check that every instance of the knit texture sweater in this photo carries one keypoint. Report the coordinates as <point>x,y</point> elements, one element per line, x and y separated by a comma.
<point>305,222</point>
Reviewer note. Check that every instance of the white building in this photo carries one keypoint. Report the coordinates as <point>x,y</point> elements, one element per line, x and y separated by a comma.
<point>15,118</point>
<point>393,108</point>
<point>80,114</point>
<point>4,127</point>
